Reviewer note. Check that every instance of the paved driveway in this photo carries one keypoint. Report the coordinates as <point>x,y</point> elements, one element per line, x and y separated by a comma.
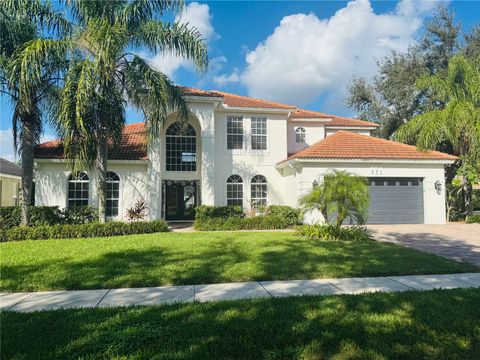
<point>455,241</point>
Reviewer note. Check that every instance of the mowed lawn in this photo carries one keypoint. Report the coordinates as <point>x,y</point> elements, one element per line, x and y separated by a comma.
<point>441,324</point>
<point>198,258</point>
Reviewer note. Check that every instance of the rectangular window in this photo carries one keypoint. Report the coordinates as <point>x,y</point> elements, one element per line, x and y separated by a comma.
<point>259,133</point>
<point>234,132</point>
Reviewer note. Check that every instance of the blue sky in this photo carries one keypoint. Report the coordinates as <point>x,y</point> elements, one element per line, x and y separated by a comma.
<point>299,52</point>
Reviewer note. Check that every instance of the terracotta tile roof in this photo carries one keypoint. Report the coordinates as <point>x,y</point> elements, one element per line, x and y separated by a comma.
<point>199,92</point>
<point>233,100</point>
<point>10,168</point>
<point>349,145</point>
<point>335,120</point>
<point>308,114</point>
<point>133,146</point>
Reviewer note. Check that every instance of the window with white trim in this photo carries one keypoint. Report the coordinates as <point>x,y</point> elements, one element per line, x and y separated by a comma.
<point>300,135</point>
<point>234,132</point>
<point>181,147</point>
<point>258,191</point>
<point>78,187</point>
<point>259,133</point>
<point>235,190</point>
<point>113,194</point>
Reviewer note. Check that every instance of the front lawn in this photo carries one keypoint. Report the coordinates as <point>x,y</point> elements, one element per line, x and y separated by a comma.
<point>441,324</point>
<point>198,258</point>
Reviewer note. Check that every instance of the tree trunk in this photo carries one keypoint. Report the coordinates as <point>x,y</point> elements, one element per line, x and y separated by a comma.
<point>27,144</point>
<point>101,167</point>
<point>468,200</point>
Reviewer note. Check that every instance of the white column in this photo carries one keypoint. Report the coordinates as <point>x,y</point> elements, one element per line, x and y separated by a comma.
<point>154,197</point>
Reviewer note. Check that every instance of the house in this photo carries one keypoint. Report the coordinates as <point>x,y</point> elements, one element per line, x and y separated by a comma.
<point>10,179</point>
<point>243,151</point>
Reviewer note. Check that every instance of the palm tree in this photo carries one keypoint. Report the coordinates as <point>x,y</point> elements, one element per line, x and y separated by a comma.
<point>454,122</point>
<point>24,22</point>
<point>106,71</point>
<point>338,196</point>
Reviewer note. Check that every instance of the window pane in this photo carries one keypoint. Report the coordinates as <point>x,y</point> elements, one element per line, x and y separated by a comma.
<point>234,132</point>
<point>181,148</point>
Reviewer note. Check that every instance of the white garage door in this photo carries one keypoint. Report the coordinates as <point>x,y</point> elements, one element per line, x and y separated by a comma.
<point>395,201</point>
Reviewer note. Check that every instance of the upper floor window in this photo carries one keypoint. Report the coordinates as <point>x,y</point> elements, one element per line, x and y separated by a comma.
<point>300,135</point>
<point>259,133</point>
<point>113,194</point>
<point>78,186</point>
<point>235,190</point>
<point>181,147</point>
<point>234,132</point>
<point>258,191</point>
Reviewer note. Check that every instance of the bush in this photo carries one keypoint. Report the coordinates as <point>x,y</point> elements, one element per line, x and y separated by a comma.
<point>333,233</point>
<point>206,212</point>
<point>236,223</point>
<point>473,219</point>
<point>10,216</point>
<point>289,214</point>
<point>81,230</point>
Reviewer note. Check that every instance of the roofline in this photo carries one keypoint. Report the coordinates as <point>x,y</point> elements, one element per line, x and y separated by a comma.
<point>112,161</point>
<point>16,177</point>
<point>286,162</point>
<point>322,120</point>
<point>255,109</point>
<point>351,127</point>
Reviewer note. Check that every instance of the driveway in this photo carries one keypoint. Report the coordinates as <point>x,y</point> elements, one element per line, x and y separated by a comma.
<point>455,241</point>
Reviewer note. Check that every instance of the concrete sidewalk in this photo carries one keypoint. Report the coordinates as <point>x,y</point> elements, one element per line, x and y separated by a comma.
<point>49,300</point>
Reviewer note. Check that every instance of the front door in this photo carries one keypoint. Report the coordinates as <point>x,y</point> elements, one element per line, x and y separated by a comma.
<point>180,200</point>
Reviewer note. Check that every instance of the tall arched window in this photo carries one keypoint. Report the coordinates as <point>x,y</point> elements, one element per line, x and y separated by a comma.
<point>181,142</point>
<point>258,191</point>
<point>113,194</point>
<point>78,185</point>
<point>300,135</point>
<point>235,190</point>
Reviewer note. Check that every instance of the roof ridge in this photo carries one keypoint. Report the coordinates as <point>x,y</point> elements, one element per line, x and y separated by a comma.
<point>294,107</point>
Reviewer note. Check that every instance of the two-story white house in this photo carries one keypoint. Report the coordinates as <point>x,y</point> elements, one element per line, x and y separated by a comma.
<point>249,152</point>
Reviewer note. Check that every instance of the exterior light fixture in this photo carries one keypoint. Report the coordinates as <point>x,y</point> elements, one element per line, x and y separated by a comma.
<point>438,186</point>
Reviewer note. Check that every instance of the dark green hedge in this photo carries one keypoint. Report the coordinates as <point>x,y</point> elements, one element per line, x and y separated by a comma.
<point>82,231</point>
<point>291,215</point>
<point>206,212</point>
<point>47,215</point>
<point>473,219</point>
<point>245,223</point>
<point>333,233</point>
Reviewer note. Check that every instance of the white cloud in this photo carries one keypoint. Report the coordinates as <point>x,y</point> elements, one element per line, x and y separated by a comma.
<point>222,80</point>
<point>198,16</point>
<point>307,56</point>
<point>7,150</point>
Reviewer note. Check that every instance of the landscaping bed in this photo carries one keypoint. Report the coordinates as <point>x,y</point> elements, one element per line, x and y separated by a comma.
<point>440,324</point>
<point>200,258</point>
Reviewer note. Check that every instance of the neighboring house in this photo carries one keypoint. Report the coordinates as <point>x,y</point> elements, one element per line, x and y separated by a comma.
<point>10,179</point>
<point>249,152</point>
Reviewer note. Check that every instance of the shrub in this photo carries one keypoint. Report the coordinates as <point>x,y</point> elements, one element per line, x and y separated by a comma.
<point>236,223</point>
<point>82,230</point>
<point>137,212</point>
<point>205,212</point>
<point>334,233</point>
<point>289,214</point>
<point>79,215</point>
<point>473,219</point>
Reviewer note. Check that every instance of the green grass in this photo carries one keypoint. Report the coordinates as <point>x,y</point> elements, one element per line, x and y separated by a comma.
<point>441,324</point>
<point>196,258</point>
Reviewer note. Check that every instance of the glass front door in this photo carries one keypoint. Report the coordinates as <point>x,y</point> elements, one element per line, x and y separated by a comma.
<point>180,201</point>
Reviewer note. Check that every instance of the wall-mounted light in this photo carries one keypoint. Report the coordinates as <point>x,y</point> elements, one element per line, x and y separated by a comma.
<point>438,187</point>
<point>314,184</point>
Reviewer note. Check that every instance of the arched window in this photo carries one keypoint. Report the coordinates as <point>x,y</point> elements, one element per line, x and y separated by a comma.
<point>258,191</point>
<point>235,190</point>
<point>113,194</point>
<point>181,142</point>
<point>78,185</point>
<point>300,135</point>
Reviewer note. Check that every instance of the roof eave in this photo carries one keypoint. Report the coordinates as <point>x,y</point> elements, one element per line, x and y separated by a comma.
<point>286,162</point>
<point>351,127</point>
<point>112,161</point>
<point>255,109</point>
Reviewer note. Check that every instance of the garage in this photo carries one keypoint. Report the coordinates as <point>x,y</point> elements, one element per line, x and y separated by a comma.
<point>396,201</point>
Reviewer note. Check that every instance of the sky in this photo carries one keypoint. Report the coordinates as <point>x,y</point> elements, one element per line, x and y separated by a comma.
<point>303,53</point>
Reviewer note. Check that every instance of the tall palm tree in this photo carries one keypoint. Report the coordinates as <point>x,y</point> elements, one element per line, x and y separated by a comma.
<point>457,123</point>
<point>106,71</point>
<point>24,22</point>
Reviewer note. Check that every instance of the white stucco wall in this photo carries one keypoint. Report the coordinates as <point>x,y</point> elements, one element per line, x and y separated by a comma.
<point>358,131</point>
<point>314,132</point>
<point>433,202</point>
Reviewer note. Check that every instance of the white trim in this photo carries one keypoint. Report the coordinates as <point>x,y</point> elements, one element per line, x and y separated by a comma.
<point>321,120</point>
<point>360,160</point>
<point>10,176</point>
<point>347,127</point>
<point>108,161</point>
<point>256,110</point>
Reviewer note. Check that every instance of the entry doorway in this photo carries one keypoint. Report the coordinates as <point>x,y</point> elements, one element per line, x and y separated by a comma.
<point>181,199</point>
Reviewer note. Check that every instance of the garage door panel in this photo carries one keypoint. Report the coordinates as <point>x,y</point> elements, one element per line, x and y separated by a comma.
<point>395,201</point>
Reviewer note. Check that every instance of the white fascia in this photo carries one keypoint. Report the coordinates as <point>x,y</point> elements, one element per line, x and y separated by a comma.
<point>321,120</point>
<point>9,176</point>
<point>110,161</point>
<point>257,110</point>
<point>333,127</point>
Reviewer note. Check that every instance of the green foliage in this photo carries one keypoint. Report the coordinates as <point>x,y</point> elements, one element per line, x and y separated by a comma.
<point>81,230</point>
<point>137,212</point>
<point>206,212</point>
<point>47,215</point>
<point>261,222</point>
<point>333,233</point>
<point>473,219</point>
<point>291,215</point>
<point>338,196</point>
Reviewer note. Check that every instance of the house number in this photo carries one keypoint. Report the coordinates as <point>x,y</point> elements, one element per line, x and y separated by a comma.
<point>376,171</point>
